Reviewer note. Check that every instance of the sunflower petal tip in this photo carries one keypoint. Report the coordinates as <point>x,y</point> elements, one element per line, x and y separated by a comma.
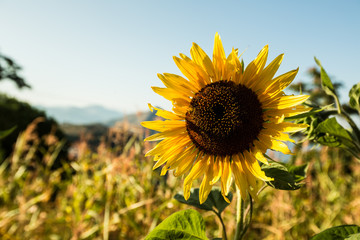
<point>187,194</point>
<point>225,198</point>
<point>150,107</point>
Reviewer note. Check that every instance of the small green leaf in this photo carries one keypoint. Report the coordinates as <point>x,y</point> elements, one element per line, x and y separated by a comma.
<point>285,178</point>
<point>214,200</point>
<point>298,172</point>
<point>355,236</point>
<point>339,233</point>
<point>331,133</point>
<point>7,132</point>
<point>325,80</point>
<point>186,224</point>
<point>354,95</point>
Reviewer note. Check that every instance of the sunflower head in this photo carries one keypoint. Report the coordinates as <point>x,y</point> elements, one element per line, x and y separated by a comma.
<point>223,119</point>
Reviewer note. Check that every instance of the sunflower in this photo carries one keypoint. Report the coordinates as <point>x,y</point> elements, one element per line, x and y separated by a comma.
<point>223,119</point>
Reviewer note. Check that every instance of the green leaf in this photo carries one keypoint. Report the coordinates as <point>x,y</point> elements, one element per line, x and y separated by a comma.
<point>331,133</point>
<point>214,200</point>
<point>339,233</point>
<point>354,95</point>
<point>285,178</point>
<point>186,224</point>
<point>355,236</point>
<point>7,132</point>
<point>325,80</point>
<point>298,172</point>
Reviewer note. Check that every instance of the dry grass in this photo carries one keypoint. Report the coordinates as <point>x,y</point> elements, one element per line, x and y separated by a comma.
<point>112,193</point>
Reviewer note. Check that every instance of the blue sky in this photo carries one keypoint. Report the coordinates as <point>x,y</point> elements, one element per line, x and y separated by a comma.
<point>78,53</point>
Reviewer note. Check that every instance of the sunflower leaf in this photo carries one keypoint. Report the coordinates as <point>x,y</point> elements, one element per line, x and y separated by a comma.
<point>214,201</point>
<point>186,224</point>
<point>325,80</point>
<point>339,233</point>
<point>354,95</point>
<point>285,178</point>
<point>299,172</point>
<point>331,133</point>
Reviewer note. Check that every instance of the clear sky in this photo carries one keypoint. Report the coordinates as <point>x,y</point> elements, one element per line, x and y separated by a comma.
<point>78,53</point>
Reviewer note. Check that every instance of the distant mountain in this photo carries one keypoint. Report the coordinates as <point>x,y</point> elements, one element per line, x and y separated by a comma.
<point>81,115</point>
<point>134,119</point>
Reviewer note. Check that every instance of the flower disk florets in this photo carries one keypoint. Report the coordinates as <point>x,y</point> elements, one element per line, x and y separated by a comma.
<point>224,118</point>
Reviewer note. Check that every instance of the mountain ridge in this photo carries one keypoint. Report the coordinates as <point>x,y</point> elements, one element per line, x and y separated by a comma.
<point>81,115</point>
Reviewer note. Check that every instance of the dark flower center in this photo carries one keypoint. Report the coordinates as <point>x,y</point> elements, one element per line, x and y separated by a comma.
<point>224,118</point>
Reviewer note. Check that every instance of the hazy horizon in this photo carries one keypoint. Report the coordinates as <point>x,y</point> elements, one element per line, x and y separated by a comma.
<point>94,53</point>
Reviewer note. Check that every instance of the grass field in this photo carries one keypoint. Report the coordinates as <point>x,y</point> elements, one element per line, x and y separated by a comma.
<point>112,193</point>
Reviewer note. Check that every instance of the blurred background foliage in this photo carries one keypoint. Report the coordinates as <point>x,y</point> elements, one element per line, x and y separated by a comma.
<point>53,188</point>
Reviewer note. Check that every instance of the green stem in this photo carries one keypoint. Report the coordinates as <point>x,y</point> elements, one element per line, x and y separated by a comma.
<point>249,215</point>
<point>223,225</point>
<point>352,124</point>
<point>338,106</point>
<point>240,207</point>
<point>344,114</point>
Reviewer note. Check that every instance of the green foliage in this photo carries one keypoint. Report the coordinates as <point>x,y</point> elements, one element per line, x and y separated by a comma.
<point>21,114</point>
<point>345,232</point>
<point>325,80</point>
<point>354,96</point>
<point>214,202</point>
<point>285,177</point>
<point>331,133</point>
<point>326,130</point>
<point>6,133</point>
<point>9,70</point>
<point>186,224</point>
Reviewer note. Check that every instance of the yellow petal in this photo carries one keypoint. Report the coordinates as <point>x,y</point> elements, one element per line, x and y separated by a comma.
<point>252,164</point>
<point>286,126</point>
<point>239,175</point>
<point>172,152</point>
<point>162,126</point>
<point>170,94</point>
<point>202,59</point>
<point>277,135</point>
<point>285,102</point>
<point>287,112</point>
<point>164,145</point>
<point>219,57</point>
<point>259,155</point>
<point>226,178</point>
<point>265,77</point>
<point>185,163</point>
<point>205,186</point>
<point>165,114</point>
<point>193,72</point>
<point>168,133</point>
<point>252,188</point>
<point>217,169</point>
<point>198,169</point>
<point>255,67</point>
<point>274,144</point>
<point>281,82</point>
<point>178,83</point>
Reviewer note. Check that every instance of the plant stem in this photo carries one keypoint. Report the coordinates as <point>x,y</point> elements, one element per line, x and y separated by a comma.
<point>344,114</point>
<point>223,225</point>
<point>352,124</point>
<point>240,207</point>
<point>248,211</point>
<point>338,105</point>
